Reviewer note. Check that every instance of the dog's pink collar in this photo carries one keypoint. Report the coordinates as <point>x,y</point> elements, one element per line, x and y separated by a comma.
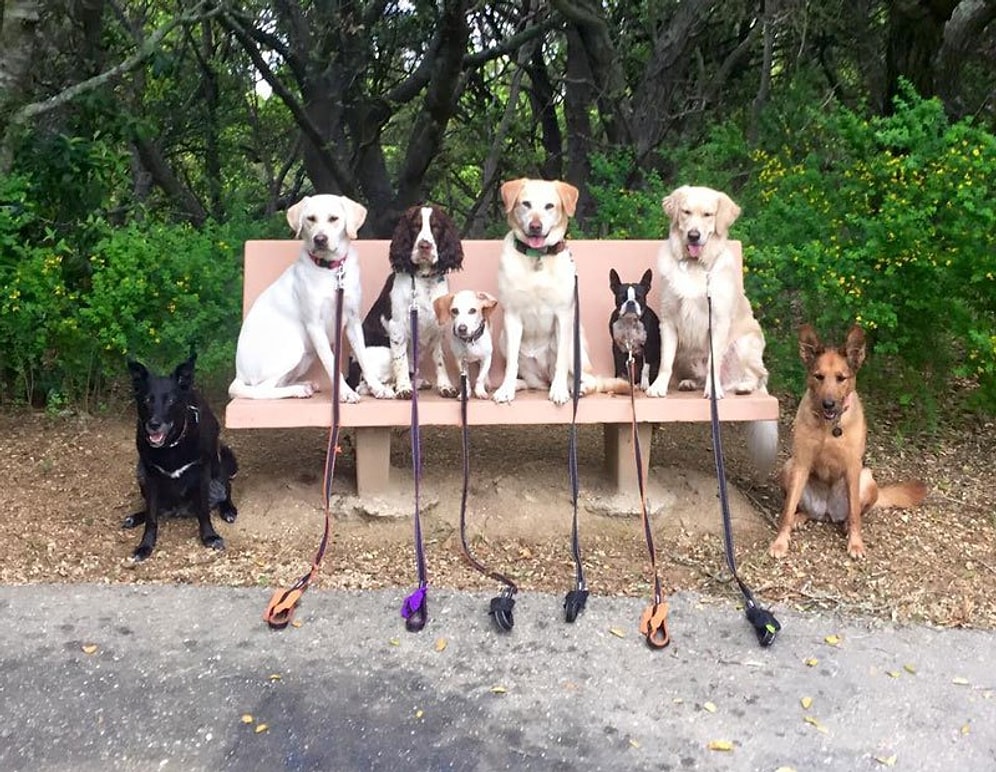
<point>321,262</point>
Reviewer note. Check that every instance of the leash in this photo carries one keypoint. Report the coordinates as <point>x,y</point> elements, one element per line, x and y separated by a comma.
<point>414,609</point>
<point>653,622</point>
<point>280,610</point>
<point>764,622</point>
<point>501,605</point>
<point>575,600</point>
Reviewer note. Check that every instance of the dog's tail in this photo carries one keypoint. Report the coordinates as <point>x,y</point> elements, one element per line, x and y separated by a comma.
<point>229,466</point>
<point>901,495</point>
<point>762,442</point>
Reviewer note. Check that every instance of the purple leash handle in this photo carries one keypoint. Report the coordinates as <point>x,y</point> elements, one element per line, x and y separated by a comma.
<point>414,608</point>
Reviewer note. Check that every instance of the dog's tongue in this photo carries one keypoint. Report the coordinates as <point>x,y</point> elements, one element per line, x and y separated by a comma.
<point>156,439</point>
<point>536,242</point>
<point>694,250</point>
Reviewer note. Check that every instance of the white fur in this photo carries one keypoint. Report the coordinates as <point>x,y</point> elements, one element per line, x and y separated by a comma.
<point>292,320</point>
<point>466,311</point>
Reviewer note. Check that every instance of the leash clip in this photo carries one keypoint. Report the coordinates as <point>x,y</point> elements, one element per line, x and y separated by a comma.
<point>764,622</point>
<point>653,625</point>
<point>501,610</point>
<point>415,611</point>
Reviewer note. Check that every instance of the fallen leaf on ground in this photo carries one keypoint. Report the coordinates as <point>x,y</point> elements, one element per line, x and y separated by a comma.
<point>498,690</point>
<point>812,662</point>
<point>806,702</point>
<point>833,640</point>
<point>89,648</point>
<point>261,728</point>
<point>617,632</point>
<point>247,718</point>
<point>709,707</point>
<point>960,681</point>
<point>909,669</point>
<point>720,745</point>
<point>887,761</point>
<point>440,644</point>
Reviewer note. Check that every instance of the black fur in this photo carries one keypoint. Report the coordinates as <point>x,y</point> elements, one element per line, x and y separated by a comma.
<point>449,249</point>
<point>641,316</point>
<point>181,463</point>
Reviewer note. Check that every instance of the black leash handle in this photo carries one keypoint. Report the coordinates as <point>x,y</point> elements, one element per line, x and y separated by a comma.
<point>575,600</point>
<point>415,610</point>
<point>763,621</point>
<point>501,606</point>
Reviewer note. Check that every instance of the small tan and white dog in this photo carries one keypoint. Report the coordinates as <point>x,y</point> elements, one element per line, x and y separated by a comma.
<point>468,315</point>
<point>694,263</point>
<point>291,323</point>
<point>536,291</point>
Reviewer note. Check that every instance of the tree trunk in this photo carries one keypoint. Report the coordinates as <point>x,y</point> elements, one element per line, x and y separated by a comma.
<point>18,27</point>
<point>964,28</point>
<point>916,29</point>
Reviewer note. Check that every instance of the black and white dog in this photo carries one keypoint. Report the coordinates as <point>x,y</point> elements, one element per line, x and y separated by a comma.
<point>181,463</point>
<point>634,328</point>
<point>425,247</point>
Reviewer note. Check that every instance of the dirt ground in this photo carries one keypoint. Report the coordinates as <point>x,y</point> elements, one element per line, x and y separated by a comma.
<point>69,482</point>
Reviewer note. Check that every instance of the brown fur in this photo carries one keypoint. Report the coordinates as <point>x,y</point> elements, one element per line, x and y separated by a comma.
<point>825,477</point>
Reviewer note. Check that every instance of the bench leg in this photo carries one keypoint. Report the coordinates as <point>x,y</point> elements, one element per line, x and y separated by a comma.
<point>373,460</point>
<point>619,459</point>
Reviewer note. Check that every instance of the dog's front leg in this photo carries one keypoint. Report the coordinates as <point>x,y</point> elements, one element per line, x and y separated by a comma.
<point>717,353</point>
<point>320,342</point>
<point>563,364</point>
<point>209,537</point>
<point>481,385</point>
<point>669,349</point>
<point>398,333</point>
<point>796,476</point>
<point>444,385</point>
<point>855,544</point>
<point>513,343</point>
<point>148,542</point>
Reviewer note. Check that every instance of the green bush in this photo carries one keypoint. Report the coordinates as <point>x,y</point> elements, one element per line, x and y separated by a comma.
<point>888,222</point>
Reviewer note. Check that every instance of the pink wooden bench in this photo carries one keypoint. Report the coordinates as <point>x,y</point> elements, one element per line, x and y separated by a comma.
<point>372,419</point>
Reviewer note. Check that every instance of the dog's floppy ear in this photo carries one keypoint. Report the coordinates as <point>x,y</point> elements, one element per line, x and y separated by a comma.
<point>510,192</point>
<point>356,215</point>
<point>139,376</point>
<point>184,373</point>
<point>613,279</point>
<point>295,216</point>
<point>727,213</point>
<point>402,242</point>
<point>441,306</point>
<point>647,279</point>
<point>448,244</point>
<point>810,345</point>
<point>854,348</point>
<point>672,201</point>
<point>569,196</point>
<point>488,304</point>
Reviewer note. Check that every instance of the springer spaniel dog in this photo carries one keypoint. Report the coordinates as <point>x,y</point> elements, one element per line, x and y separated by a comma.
<point>425,247</point>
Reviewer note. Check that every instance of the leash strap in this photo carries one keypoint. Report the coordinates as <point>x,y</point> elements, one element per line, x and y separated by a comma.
<point>575,600</point>
<point>414,610</point>
<point>280,610</point>
<point>501,605</point>
<point>764,622</point>
<point>653,622</point>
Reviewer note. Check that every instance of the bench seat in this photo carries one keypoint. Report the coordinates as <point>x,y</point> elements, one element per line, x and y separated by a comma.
<point>372,419</point>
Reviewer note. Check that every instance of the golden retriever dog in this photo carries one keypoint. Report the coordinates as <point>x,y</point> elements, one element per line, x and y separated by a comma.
<point>825,478</point>
<point>696,259</point>
<point>536,291</point>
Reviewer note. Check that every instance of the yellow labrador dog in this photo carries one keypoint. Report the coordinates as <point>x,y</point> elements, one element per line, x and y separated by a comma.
<point>696,255</point>
<point>291,323</point>
<point>536,291</point>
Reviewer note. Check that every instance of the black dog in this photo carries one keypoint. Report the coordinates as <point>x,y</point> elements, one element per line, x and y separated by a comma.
<point>181,463</point>
<point>634,328</point>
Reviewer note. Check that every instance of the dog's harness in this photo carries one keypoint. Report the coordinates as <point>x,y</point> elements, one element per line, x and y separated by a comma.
<point>280,610</point>
<point>764,623</point>
<point>501,606</point>
<point>414,609</point>
<point>575,599</point>
<point>653,622</point>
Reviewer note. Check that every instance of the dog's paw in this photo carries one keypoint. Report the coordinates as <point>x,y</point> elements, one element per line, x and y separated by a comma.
<point>855,546</point>
<point>404,392</point>
<point>504,395</point>
<point>228,512</point>
<point>480,392</point>
<point>306,389</point>
<point>657,389</point>
<point>779,547</point>
<point>687,384</point>
<point>559,393</point>
<point>380,391</point>
<point>707,392</point>
<point>348,396</point>
<point>448,390</point>
<point>213,541</point>
<point>142,552</point>
<point>745,387</point>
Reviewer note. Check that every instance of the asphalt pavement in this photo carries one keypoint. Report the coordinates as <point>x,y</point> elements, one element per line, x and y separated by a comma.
<point>190,678</point>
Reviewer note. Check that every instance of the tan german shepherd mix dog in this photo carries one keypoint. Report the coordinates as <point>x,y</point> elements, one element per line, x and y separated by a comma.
<point>825,478</point>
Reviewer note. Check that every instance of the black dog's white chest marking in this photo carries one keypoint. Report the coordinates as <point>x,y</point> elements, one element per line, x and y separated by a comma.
<point>176,474</point>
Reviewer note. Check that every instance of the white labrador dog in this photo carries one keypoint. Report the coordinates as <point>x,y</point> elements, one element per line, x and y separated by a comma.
<point>293,320</point>
<point>536,291</point>
<point>696,256</point>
